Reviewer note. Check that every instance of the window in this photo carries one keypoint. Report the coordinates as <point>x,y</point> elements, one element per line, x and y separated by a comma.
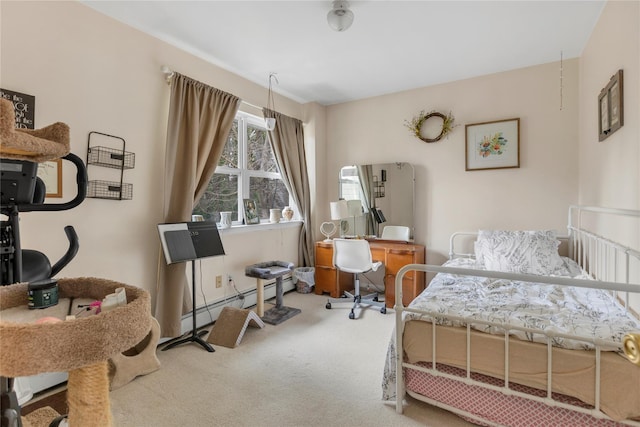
<point>350,184</point>
<point>246,170</point>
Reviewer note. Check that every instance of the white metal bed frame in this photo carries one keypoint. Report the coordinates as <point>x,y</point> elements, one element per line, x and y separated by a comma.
<point>611,258</point>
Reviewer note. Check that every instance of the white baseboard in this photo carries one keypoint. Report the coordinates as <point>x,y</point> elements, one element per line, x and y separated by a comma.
<point>206,315</point>
<point>41,382</point>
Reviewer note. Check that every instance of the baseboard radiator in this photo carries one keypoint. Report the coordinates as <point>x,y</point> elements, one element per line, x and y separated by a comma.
<point>208,314</point>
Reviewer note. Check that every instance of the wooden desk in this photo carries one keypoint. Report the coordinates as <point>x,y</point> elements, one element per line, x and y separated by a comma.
<point>394,255</point>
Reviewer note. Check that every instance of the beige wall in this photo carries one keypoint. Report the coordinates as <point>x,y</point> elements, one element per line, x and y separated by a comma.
<point>610,170</point>
<point>448,198</point>
<point>96,74</point>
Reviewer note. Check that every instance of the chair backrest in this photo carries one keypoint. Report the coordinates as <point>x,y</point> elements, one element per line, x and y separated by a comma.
<point>396,232</point>
<point>352,255</point>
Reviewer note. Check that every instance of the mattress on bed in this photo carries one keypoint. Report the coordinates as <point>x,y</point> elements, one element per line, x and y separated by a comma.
<point>590,313</point>
<point>573,370</point>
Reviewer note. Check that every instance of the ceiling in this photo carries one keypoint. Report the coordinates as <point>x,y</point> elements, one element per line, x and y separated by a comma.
<point>392,45</point>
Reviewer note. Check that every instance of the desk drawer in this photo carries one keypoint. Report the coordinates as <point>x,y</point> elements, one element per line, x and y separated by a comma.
<point>398,259</point>
<point>325,278</point>
<point>378,254</point>
<point>408,290</point>
<point>324,256</point>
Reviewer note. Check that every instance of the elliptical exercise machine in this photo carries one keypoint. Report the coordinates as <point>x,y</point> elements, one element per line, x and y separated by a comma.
<point>22,191</point>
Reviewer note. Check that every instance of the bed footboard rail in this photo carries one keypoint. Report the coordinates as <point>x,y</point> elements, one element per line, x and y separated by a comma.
<point>433,317</point>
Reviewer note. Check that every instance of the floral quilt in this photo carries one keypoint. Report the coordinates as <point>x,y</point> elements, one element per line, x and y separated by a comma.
<point>583,312</point>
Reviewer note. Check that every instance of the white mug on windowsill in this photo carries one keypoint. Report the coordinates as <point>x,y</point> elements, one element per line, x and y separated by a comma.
<point>225,219</point>
<point>275,215</point>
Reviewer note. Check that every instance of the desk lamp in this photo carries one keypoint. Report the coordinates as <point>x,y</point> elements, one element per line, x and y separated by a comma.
<point>339,211</point>
<point>354,207</point>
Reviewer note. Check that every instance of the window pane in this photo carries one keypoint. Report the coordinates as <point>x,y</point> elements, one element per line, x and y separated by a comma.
<point>350,183</point>
<point>221,195</point>
<point>259,154</point>
<point>246,153</point>
<point>269,194</point>
<point>229,155</point>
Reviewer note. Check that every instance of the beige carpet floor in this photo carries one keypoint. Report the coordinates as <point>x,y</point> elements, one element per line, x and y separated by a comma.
<point>318,368</point>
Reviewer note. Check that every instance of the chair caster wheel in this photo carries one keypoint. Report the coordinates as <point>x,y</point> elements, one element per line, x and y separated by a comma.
<point>383,310</point>
<point>375,299</point>
<point>328,306</point>
<point>352,315</point>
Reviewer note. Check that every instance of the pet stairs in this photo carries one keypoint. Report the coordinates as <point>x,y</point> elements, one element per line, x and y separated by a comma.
<point>231,326</point>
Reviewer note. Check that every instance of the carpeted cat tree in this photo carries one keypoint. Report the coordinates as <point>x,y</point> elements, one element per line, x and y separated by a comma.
<point>80,346</point>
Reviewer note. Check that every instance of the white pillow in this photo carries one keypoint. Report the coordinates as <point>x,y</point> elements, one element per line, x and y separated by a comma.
<point>528,252</point>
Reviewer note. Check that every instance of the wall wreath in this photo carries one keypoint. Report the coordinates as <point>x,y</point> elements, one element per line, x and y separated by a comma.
<point>416,124</point>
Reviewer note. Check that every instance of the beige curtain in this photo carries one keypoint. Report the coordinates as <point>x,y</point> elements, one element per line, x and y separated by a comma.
<point>200,118</point>
<point>365,176</point>
<point>287,142</point>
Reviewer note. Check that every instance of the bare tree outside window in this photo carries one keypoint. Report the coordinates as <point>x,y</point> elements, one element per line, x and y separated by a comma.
<point>246,169</point>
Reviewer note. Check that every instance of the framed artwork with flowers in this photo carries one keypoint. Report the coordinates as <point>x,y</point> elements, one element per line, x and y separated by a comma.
<point>492,145</point>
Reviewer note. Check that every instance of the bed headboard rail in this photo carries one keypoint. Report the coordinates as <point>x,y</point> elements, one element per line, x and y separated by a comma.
<point>455,237</point>
<point>603,258</point>
<point>466,240</point>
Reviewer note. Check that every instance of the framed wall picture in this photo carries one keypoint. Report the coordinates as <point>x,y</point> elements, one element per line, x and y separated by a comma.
<point>611,107</point>
<point>251,215</point>
<point>24,107</point>
<point>51,174</point>
<point>492,145</point>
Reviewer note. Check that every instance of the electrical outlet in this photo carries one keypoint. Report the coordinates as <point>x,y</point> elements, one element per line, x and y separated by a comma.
<point>218,281</point>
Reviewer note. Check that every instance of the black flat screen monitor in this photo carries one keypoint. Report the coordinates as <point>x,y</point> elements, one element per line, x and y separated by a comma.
<point>186,241</point>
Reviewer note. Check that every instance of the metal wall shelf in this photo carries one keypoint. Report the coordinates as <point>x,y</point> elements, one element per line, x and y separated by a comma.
<point>112,190</point>
<point>110,158</point>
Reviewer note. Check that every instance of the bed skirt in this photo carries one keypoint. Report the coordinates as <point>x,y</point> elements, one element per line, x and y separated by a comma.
<point>494,406</point>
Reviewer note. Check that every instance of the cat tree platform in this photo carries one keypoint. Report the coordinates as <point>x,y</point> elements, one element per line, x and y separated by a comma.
<point>266,271</point>
<point>79,346</point>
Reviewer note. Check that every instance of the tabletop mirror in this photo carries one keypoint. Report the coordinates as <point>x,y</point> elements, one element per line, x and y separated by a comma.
<point>377,195</point>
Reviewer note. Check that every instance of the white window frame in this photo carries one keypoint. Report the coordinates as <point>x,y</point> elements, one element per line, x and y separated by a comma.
<point>243,173</point>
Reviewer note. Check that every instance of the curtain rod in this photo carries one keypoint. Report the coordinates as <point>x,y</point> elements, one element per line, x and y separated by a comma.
<point>168,75</point>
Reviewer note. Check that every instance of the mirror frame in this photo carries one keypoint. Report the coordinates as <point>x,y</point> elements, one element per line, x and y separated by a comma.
<point>382,176</point>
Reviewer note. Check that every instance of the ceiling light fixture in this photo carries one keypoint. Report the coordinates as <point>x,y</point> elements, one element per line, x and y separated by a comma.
<point>270,122</point>
<point>340,18</point>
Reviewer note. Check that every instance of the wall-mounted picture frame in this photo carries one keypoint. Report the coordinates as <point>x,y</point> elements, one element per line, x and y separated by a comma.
<point>492,145</point>
<point>251,215</point>
<point>611,107</point>
<point>51,174</point>
<point>24,107</point>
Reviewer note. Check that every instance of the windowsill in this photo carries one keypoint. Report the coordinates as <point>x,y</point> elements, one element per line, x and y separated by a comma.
<point>263,226</point>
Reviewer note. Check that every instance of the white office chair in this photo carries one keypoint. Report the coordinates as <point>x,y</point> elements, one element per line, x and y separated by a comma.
<point>396,232</point>
<point>354,256</point>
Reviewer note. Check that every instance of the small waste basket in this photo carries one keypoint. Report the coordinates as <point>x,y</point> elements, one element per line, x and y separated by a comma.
<point>305,279</point>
